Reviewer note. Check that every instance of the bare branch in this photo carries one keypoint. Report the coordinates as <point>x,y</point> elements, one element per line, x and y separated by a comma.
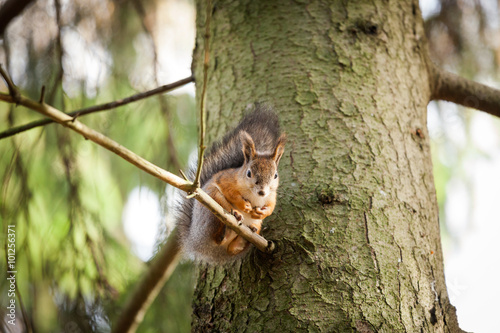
<point>202,147</point>
<point>453,88</point>
<point>10,10</point>
<point>42,95</point>
<point>97,108</point>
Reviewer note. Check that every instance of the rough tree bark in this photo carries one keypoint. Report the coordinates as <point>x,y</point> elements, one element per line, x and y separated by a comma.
<point>357,220</point>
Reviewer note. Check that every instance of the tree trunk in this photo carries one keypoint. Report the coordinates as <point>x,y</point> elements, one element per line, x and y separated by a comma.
<point>356,225</point>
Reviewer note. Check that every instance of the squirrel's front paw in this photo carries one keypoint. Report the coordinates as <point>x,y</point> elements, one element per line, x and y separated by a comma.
<point>247,207</point>
<point>259,213</point>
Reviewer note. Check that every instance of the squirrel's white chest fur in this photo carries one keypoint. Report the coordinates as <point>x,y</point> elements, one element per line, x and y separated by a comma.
<point>257,200</point>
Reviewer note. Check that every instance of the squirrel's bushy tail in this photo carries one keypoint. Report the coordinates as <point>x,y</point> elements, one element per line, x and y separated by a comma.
<point>263,126</point>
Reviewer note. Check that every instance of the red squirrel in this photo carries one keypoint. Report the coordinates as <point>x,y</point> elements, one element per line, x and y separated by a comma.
<point>241,174</point>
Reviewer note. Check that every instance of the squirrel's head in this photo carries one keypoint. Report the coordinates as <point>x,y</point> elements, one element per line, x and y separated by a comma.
<point>261,168</point>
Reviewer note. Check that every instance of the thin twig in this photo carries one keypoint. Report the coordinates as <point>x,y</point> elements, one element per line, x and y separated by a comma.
<point>196,182</point>
<point>96,108</point>
<point>183,175</point>
<point>42,95</point>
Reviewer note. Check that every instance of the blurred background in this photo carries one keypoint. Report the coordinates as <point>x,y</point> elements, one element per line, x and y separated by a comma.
<point>80,211</point>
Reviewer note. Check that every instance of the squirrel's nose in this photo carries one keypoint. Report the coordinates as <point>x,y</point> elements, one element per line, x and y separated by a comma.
<point>262,193</point>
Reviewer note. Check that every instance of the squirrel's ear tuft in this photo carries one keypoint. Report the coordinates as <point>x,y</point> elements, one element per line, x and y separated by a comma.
<point>248,147</point>
<point>280,148</point>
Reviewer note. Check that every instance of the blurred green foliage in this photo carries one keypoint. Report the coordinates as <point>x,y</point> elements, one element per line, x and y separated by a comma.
<point>66,194</point>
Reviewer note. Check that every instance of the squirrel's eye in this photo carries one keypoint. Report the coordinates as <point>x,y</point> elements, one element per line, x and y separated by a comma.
<point>275,175</point>
<point>249,173</point>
